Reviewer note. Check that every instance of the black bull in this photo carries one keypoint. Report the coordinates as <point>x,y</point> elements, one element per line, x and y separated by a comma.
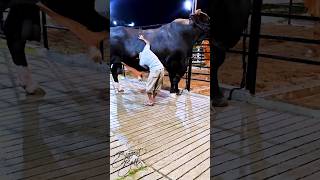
<point>228,20</point>
<point>172,43</point>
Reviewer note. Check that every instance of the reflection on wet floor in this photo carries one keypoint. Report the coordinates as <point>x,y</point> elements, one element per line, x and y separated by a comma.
<point>59,135</point>
<point>255,143</point>
<point>170,139</point>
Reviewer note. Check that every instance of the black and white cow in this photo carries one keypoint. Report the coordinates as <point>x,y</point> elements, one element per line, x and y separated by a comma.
<point>23,24</point>
<point>172,43</point>
<point>229,18</point>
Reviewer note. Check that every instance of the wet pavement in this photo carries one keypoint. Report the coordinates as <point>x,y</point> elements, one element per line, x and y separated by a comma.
<point>255,143</point>
<point>168,141</point>
<point>62,134</point>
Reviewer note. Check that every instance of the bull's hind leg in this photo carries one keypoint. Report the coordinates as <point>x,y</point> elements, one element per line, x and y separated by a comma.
<point>174,82</point>
<point>217,97</point>
<point>22,24</point>
<point>16,48</point>
<point>175,69</point>
<point>116,69</point>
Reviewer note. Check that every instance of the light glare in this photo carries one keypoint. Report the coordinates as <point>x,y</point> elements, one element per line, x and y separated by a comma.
<point>188,5</point>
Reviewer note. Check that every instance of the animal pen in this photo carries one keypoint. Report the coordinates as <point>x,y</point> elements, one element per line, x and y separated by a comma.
<point>250,47</point>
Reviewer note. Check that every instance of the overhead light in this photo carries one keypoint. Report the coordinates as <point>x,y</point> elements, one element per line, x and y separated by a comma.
<point>131,24</point>
<point>188,5</point>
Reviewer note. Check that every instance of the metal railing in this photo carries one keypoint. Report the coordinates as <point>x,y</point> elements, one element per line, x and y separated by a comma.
<point>190,74</point>
<point>254,36</point>
<point>45,27</point>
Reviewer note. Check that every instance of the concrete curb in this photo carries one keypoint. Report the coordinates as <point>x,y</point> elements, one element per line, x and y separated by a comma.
<point>242,95</point>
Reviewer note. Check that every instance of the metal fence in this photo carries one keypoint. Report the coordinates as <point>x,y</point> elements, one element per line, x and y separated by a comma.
<point>252,52</point>
<point>45,27</point>
<point>198,61</point>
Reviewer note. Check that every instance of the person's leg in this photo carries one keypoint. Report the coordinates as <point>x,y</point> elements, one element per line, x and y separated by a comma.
<point>158,84</point>
<point>154,95</point>
<point>150,99</point>
<point>150,87</point>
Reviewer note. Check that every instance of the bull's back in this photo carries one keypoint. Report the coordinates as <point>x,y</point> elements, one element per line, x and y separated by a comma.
<point>228,19</point>
<point>124,41</point>
<point>165,41</point>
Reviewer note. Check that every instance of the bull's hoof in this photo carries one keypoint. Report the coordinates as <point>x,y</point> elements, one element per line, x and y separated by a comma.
<point>95,54</point>
<point>37,92</point>
<point>177,92</point>
<point>120,90</point>
<point>173,95</point>
<point>219,102</point>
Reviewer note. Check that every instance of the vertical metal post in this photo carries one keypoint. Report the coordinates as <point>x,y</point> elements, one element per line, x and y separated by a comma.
<point>254,46</point>
<point>1,20</point>
<point>290,11</point>
<point>244,57</point>
<point>102,49</point>
<point>44,30</point>
<point>194,6</point>
<point>124,71</point>
<point>188,80</point>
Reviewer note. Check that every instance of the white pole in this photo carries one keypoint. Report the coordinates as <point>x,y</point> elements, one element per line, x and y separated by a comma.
<point>194,6</point>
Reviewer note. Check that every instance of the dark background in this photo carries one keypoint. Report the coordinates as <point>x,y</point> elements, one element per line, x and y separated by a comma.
<point>150,12</point>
